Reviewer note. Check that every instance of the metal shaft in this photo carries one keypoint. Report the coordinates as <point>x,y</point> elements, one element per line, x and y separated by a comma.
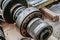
<point>28,20</point>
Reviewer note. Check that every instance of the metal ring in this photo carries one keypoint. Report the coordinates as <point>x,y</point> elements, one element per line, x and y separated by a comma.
<point>25,13</point>
<point>18,11</point>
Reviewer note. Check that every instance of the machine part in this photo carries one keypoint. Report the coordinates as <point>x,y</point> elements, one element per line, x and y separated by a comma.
<point>2,36</point>
<point>1,19</point>
<point>12,4</point>
<point>39,30</point>
<point>23,19</point>
<point>39,3</point>
<point>7,5</point>
<point>49,14</point>
<point>23,16</point>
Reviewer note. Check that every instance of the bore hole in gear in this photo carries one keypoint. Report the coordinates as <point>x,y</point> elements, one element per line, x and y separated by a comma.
<point>45,35</point>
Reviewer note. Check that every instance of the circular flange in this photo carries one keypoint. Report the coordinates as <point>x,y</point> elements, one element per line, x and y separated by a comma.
<point>24,18</point>
<point>27,20</point>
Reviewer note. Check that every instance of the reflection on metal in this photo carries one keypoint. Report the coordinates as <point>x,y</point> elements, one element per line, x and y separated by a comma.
<point>28,20</point>
<point>39,29</point>
<point>2,36</point>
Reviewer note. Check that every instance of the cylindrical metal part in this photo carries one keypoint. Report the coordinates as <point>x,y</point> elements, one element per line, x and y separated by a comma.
<point>17,11</point>
<point>27,14</point>
<point>39,30</point>
<point>7,5</point>
<point>49,14</point>
<point>13,11</point>
<point>25,17</point>
<point>2,36</point>
<point>23,20</point>
<point>6,2</point>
